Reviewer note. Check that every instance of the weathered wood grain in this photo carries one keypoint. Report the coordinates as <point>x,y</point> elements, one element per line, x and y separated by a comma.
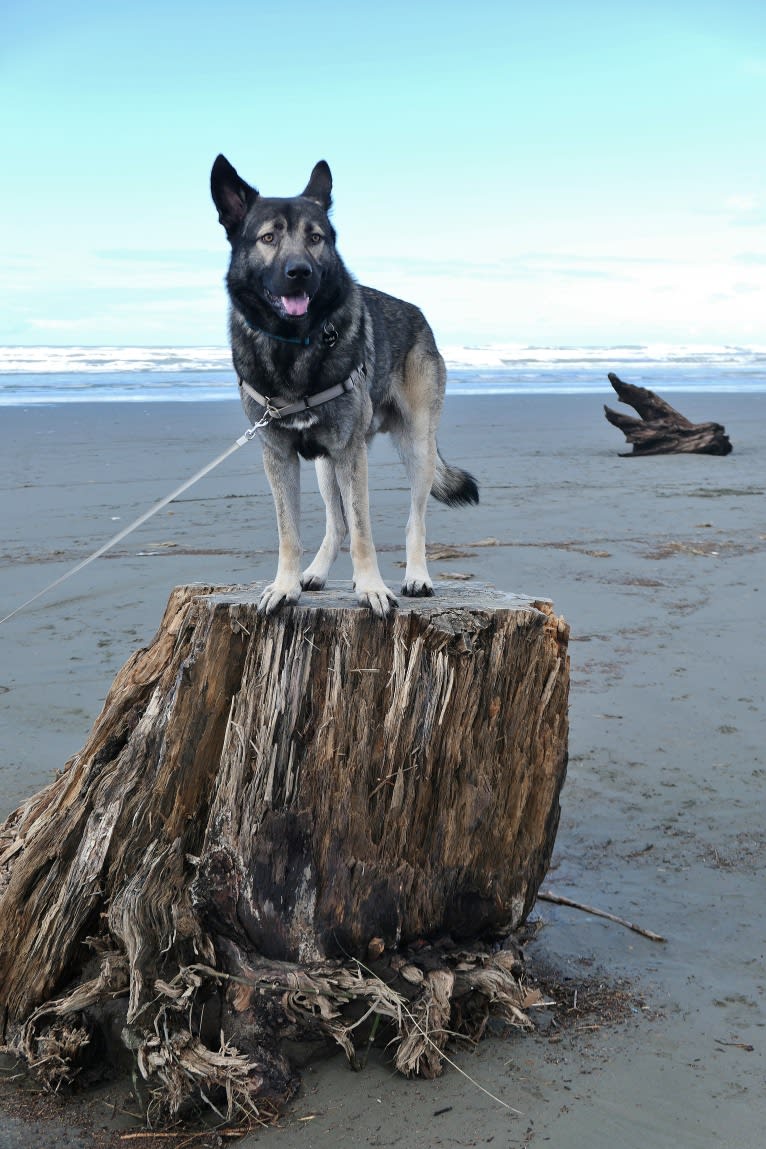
<point>662,430</point>
<point>307,788</point>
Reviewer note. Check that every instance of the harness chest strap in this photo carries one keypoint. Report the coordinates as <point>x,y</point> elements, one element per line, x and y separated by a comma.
<point>274,409</point>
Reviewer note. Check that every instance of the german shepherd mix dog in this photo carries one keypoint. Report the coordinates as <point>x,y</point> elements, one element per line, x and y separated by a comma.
<point>323,365</point>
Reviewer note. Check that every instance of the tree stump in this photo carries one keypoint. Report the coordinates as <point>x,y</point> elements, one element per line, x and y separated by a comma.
<point>662,430</point>
<point>280,824</point>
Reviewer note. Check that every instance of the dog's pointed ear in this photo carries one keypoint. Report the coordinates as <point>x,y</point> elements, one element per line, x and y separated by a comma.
<point>319,187</point>
<point>231,195</point>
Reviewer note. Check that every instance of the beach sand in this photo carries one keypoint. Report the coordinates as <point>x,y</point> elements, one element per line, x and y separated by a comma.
<point>657,565</point>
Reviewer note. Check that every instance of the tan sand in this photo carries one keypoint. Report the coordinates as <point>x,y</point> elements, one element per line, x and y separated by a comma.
<point>658,566</point>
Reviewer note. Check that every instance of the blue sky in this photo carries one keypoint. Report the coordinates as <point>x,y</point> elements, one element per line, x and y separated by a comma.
<point>550,174</point>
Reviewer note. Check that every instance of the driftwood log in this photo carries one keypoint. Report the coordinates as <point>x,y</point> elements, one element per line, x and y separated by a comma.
<point>280,827</point>
<point>662,430</point>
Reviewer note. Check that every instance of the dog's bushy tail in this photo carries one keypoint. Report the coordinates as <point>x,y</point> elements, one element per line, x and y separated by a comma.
<point>452,485</point>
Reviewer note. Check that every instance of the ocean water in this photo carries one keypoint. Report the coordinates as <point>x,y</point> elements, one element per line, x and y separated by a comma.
<point>48,375</point>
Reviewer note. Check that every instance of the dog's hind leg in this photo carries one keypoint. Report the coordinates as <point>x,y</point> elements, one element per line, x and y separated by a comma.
<point>283,472</point>
<point>422,395</point>
<point>315,576</point>
<point>351,473</point>
<point>416,444</point>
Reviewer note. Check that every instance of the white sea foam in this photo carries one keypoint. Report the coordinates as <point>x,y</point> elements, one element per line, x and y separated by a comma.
<point>515,355</point>
<point>44,375</point>
<point>493,356</point>
<point>61,360</point>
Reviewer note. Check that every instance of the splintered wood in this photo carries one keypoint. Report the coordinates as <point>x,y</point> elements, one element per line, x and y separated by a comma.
<point>278,821</point>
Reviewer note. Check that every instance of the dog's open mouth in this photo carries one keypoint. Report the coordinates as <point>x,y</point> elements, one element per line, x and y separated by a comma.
<point>292,305</point>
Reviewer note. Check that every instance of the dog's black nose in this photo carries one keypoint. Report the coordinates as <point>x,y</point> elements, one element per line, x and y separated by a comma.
<point>298,269</point>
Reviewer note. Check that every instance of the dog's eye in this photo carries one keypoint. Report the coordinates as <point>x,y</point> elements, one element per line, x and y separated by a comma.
<point>315,238</point>
<point>267,237</point>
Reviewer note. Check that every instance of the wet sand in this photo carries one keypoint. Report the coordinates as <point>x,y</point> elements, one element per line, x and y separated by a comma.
<point>658,566</point>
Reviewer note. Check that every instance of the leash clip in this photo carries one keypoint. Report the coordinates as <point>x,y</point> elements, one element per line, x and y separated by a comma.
<point>270,413</point>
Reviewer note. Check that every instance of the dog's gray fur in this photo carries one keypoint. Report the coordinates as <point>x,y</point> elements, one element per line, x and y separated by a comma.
<point>300,324</point>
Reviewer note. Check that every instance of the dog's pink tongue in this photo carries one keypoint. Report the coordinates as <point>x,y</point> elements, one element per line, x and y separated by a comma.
<point>296,304</point>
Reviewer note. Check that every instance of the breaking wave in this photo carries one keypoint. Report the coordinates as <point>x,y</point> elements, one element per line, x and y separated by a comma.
<point>34,375</point>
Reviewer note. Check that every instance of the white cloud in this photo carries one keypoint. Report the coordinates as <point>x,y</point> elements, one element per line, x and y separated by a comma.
<point>665,277</point>
<point>49,323</point>
<point>743,203</point>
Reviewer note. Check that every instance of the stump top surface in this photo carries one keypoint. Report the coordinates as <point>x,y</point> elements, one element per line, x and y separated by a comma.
<point>340,596</point>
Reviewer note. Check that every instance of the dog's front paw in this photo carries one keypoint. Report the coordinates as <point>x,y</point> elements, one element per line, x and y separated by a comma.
<point>278,594</point>
<point>377,597</point>
<point>418,587</point>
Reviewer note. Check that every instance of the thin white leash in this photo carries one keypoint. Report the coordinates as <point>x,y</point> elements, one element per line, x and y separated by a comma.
<point>271,411</point>
<point>248,436</point>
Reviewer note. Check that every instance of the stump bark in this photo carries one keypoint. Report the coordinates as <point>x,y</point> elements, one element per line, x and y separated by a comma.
<point>280,825</point>
<point>662,430</point>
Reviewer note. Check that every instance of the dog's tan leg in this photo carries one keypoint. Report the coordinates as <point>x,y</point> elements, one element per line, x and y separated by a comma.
<point>351,472</point>
<point>283,473</point>
<point>315,576</point>
<point>417,446</point>
<point>420,405</point>
<point>417,580</point>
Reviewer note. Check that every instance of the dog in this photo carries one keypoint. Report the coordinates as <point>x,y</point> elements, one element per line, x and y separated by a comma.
<point>323,365</point>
